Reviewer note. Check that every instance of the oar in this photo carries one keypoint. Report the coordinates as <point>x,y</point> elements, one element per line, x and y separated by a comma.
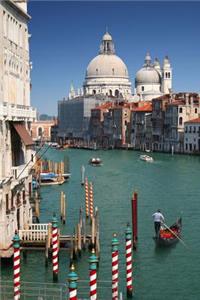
<point>175,235</point>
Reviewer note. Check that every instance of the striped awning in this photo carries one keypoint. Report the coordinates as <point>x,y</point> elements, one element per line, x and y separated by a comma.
<point>23,133</point>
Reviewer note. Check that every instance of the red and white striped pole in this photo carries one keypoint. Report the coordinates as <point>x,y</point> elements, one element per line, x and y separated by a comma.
<point>115,267</point>
<point>55,248</point>
<point>129,267</point>
<point>91,201</point>
<point>93,260</point>
<point>16,266</point>
<point>86,198</point>
<point>72,279</point>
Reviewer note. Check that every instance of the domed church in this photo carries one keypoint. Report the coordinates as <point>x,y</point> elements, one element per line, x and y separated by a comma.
<point>151,81</point>
<point>107,74</point>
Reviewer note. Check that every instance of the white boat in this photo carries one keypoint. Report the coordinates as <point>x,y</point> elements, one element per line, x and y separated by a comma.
<point>95,161</point>
<point>146,158</point>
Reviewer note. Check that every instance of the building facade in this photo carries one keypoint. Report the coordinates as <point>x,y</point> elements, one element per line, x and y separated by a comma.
<point>42,130</point>
<point>192,136</point>
<point>16,115</point>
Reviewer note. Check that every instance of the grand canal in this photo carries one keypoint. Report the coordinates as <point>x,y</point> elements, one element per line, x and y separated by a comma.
<point>170,183</point>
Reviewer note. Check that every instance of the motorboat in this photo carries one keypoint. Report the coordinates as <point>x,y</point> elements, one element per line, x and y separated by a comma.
<point>95,161</point>
<point>146,158</point>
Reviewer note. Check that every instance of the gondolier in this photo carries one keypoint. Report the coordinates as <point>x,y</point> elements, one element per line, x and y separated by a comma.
<point>158,219</point>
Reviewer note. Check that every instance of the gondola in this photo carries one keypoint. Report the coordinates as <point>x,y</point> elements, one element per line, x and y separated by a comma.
<point>166,237</point>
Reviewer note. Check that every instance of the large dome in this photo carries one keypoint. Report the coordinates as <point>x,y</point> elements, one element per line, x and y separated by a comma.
<point>147,75</point>
<point>105,65</point>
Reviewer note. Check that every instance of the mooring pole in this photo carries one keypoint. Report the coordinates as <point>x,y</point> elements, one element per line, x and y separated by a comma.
<point>16,266</point>
<point>134,219</point>
<point>55,248</point>
<point>82,175</point>
<point>115,267</point>
<point>93,260</point>
<point>129,267</point>
<point>86,198</point>
<point>72,279</point>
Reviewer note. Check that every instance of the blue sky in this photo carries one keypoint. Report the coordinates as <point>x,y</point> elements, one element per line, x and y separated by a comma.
<point>66,36</point>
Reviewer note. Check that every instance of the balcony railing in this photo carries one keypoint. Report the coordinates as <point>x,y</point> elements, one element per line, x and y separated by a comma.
<point>20,172</point>
<point>18,112</point>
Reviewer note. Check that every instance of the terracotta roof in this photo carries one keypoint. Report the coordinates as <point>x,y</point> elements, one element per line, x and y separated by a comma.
<point>197,120</point>
<point>145,107</point>
<point>23,133</point>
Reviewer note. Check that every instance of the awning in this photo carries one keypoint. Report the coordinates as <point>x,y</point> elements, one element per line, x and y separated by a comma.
<point>23,133</point>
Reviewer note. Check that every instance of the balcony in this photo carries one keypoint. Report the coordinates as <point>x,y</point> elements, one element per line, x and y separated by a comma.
<point>20,172</point>
<point>13,112</point>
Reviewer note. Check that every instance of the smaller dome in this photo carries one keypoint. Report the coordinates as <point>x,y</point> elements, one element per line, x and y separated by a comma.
<point>107,37</point>
<point>147,75</point>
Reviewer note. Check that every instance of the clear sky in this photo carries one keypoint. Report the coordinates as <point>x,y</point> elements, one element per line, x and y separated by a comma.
<point>66,36</point>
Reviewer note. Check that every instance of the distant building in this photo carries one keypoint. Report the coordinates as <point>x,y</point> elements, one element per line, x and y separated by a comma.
<point>107,79</point>
<point>192,136</point>
<point>141,127</point>
<point>74,117</point>
<point>41,130</point>
<point>16,115</point>
<point>151,81</point>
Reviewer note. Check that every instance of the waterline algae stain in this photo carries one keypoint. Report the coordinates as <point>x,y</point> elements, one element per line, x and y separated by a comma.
<point>170,183</point>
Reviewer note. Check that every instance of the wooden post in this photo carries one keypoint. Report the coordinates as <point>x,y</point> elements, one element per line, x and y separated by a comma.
<point>91,197</point>
<point>93,233</point>
<point>64,209</point>
<point>16,266</point>
<point>86,198</point>
<point>97,231</point>
<point>79,239</point>
<point>82,175</point>
<point>129,267</point>
<point>37,208</point>
<point>61,205</point>
<point>84,234</point>
<point>134,219</point>
<point>72,279</point>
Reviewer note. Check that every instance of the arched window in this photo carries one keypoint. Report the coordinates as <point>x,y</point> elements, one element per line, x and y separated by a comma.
<point>168,74</point>
<point>110,92</point>
<point>97,71</point>
<point>40,131</point>
<point>116,93</point>
<point>180,121</point>
<point>94,92</point>
<point>142,88</point>
<point>113,71</point>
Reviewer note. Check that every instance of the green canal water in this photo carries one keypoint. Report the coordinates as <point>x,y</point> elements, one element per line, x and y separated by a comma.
<point>170,183</point>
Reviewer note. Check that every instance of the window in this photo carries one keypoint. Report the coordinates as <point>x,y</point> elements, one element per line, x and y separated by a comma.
<point>195,110</point>
<point>97,71</point>
<point>186,129</point>
<point>94,92</point>
<point>180,110</point>
<point>186,146</point>
<point>194,129</point>
<point>142,88</point>
<point>113,71</point>
<point>180,121</point>
<point>168,74</point>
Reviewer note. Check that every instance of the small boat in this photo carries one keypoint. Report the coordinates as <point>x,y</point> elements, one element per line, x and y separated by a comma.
<point>169,237</point>
<point>51,178</point>
<point>146,158</point>
<point>95,161</point>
